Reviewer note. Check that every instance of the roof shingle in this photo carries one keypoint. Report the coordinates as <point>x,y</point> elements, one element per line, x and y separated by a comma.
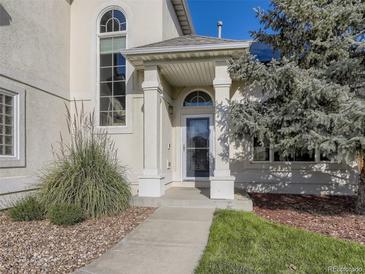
<point>189,40</point>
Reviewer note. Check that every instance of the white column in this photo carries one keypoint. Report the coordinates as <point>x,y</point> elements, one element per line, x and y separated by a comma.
<point>150,183</point>
<point>222,184</point>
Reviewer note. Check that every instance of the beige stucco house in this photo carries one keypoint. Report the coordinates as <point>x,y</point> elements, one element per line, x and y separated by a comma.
<point>158,88</point>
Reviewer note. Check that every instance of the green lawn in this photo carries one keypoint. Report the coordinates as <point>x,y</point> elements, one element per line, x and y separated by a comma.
<point>245,243</point>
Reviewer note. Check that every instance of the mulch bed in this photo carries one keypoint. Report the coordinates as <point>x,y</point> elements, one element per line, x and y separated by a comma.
<point>328,215</point>
<point>40,247</point>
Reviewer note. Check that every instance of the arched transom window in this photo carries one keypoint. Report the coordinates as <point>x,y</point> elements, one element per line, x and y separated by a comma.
<point>113,20</point>
<point>198,99</point>
<point>112,69</point>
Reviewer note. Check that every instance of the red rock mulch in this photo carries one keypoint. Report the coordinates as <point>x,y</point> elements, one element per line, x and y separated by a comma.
<point>328,215</point>
<point>40,247</point>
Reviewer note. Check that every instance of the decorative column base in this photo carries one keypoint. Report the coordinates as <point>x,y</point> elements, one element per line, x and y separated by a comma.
<point>222,188</point>
<point>151,186</point>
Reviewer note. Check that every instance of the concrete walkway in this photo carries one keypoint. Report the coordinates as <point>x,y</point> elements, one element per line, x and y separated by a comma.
<point>189,197</point>
<point>170,241</point>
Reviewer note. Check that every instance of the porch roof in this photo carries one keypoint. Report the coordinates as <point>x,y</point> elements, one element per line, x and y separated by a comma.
<point>186,47</point>
<point>186,60</point>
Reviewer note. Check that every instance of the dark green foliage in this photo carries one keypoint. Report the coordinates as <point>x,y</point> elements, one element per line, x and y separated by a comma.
<point>64,214</point>
<point>296,110</point>
<point>241,242</point>
<point>27,209</point>
<point>86,172</point>
<point>314,96</point>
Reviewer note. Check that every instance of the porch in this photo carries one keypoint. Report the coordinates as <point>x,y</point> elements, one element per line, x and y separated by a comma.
<point>185,141</point>
<point>189,197</point>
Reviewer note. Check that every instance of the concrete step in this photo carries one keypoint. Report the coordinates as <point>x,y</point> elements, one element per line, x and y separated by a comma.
<point>190,198</point>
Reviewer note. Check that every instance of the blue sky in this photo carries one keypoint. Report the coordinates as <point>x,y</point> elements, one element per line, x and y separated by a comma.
<point>238,17</point>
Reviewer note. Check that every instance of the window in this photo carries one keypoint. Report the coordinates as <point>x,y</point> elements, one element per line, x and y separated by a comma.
<point>198,99</point>
<point>12,125</point>
<point>263,152</point>
<point>303,155</point>
<point>113,20</point>
<point>7,124</point>
<point>112,69</point>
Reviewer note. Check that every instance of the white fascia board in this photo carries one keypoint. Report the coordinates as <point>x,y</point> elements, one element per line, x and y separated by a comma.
<point>136,51</point>
<point>188,16</point>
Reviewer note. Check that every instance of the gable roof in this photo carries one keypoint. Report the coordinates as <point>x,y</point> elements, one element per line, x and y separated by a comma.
<point>182,11</point>
<point>190,40</point>
<point>189,43</point>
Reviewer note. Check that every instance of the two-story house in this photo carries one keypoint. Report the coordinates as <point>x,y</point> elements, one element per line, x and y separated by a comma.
<point>159,89</point>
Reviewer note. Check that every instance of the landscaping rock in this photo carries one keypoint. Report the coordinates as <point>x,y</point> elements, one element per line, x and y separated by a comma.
<point>329,215</point>
<point>40,247</point>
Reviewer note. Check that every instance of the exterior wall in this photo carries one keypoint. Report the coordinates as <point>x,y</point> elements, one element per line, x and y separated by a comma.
<point>53,57</point>
<point>274,177</point>
<point>148,21</point>
<point>170,23</point>
<point>34,57</point>
<point>144,26</point>
<point>294,177</point>
<point>166,134</point>
<point>34,45</point>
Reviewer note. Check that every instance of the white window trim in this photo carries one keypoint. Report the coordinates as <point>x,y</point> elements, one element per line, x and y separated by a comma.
<point>18,159</point>
<point>197,90</point>
<point>127,128</point>
<point>317,158</point>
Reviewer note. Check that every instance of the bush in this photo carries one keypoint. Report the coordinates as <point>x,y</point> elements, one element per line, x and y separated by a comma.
<point>27,209</point>
<point>86,172</point>
<point>64,214</point>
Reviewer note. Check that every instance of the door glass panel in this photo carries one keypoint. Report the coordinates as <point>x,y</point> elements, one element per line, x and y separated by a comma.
<point>197,147</point>
<point>197,133</point>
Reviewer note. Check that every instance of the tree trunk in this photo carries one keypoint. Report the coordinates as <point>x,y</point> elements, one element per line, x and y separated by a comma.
<point>360,203</point>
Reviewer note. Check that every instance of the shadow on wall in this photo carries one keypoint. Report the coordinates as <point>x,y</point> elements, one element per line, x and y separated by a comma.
<point>315,178</point>
<point>5,18</point>
<point>282,177</point>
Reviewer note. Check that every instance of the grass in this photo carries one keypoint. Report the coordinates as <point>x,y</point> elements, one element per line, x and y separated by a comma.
<point>245,243</point>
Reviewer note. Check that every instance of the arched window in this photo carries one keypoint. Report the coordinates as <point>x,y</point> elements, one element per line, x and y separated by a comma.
<point>198,99</point>
<point>112,69</point>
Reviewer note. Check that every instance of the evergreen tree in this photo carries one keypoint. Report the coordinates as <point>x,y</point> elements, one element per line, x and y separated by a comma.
<point>314,96</point>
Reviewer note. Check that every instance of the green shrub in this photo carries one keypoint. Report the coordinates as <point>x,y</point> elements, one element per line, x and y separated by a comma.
<point>64,214</point>
<point>27,209</point>
<point>86,171</point>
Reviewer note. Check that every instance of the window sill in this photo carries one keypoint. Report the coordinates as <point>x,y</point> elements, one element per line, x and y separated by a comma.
<point>11,161</point>
<point>292,163</point>
<point>112,130</point>
<point>287,162</point>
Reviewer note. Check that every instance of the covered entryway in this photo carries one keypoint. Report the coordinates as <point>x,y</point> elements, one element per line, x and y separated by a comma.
<point>197,143</point>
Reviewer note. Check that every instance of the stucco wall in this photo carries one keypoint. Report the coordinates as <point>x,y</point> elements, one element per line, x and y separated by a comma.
<point>170,23</point>
<point>166,133</point>
<point>34,46</point>
<point>34,57</point>
<point>275,177</point>
<point>148,21</point>
<point>281,177</point>
<point>144,26</point>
